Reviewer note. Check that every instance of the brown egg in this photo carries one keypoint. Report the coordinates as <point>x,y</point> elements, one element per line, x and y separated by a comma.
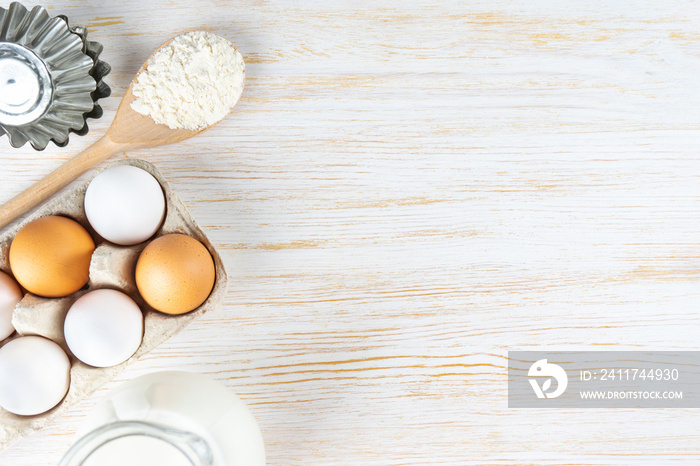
<point>50,256</point>
<point>175,273</point>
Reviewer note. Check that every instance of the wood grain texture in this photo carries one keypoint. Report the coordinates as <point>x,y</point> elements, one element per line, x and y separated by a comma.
<point>408,190</point>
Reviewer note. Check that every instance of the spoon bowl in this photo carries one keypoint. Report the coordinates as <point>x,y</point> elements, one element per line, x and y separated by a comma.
<point>129,130</point>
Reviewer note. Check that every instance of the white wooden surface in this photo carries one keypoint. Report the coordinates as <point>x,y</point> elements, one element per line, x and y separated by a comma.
<point>406,191</point>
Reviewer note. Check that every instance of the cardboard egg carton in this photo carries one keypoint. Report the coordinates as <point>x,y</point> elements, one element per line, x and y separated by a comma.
<point>112,266</point>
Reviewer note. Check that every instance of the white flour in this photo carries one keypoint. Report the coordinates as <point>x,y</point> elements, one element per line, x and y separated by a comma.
<point>191,83</point>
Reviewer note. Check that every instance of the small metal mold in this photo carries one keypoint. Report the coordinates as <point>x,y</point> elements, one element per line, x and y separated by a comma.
<point>50,77</point>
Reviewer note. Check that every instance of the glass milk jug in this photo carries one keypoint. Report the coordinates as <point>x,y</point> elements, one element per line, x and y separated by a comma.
<point>173,418</point>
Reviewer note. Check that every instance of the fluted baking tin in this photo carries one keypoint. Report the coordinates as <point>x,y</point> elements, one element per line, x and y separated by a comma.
<point>50,77</point>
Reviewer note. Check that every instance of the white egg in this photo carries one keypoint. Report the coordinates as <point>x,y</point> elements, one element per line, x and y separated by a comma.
<point>10,295</point>
<point>103,328</point>
<point>34,375</point>
<point>125,204</point>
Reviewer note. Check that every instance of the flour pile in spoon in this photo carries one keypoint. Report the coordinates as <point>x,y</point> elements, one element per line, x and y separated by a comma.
<point>191,83</point>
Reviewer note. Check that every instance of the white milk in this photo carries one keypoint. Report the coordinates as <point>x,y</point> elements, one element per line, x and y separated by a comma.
<point>137,450</point>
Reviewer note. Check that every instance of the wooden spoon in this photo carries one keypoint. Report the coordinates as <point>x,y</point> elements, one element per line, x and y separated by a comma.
<point>129,130</point>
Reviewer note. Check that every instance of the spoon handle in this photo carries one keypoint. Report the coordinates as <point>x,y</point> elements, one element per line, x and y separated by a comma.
<point>57,179</point>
